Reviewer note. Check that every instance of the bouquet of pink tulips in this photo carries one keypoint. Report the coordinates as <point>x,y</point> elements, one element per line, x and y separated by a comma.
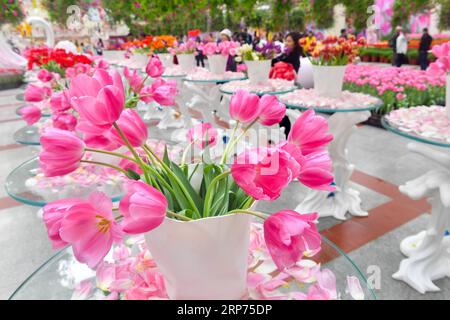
<point>157,187</point>
<point>224,48</point>
<point>187,47</point>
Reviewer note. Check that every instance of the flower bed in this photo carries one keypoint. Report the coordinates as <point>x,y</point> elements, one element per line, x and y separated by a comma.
<point>396,87</point>
<point>10,78</point>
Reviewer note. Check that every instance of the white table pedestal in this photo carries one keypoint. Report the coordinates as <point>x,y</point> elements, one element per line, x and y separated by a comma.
<point>429,251</point>
<point>344,199</point>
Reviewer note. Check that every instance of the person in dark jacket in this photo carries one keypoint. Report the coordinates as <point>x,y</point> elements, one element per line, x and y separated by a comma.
<point>393,45</point>
<point>293,53</point>
<point>424,47</point>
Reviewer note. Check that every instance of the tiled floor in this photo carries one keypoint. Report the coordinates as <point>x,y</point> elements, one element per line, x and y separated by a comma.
<point>382,163</point>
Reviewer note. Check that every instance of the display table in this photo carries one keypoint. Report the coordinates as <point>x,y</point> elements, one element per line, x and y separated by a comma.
<point>25,184</point>
<point>428,252</point>
<point>272,87</point>
<point>28,135</point>
<point>342,122</point>
<point>62,277</point>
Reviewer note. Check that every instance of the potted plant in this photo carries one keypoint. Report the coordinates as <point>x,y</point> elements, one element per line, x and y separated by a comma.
<point>185,54</point>
<point>195,214</point>
<point>160,46</point>
<point>330,59</point>
<point>258,60</point>
<point>218,54</point>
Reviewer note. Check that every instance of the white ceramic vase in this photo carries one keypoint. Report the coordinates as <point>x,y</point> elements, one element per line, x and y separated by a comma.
<point>186,62</point>
<point>203,259</point>
<point>166,59</point>
<point>328,80</point>
<point>305,76</point>
<point>217,63</point>
<point>447,96</point>
<point>258,71</point>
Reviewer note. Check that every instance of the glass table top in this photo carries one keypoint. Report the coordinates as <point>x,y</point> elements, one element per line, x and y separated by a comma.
<point>261,93</point>
<point>57,278</point>
<point>218,80</point>
<point>28,135</point>
<point>44,114</point>
<point>20,97</point>
<point>329,110</point>
<point>22,184</point>
<point>412,135</point>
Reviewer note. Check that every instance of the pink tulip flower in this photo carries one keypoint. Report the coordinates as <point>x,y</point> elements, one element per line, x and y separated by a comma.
<point>290,235</point>
<point>64,121</point>
<point>34,93</point>
<point>102,141</point>
<point>31,114</point>
<point>99,99</point>
<point>264,173</point>
<point>53,215</point>
<point>143,207</point>
<point>272,111</point>
<point>310,132</point>
<point>245,107</point>
<point>132,126</point>
<point>154,67</point>
<point>161,91</point>
<point>61,152</point>
<point>60,101</point>
<point>91,229</point>
<point>133,78</point>
<point>198,133</point>
<point>44,75</point>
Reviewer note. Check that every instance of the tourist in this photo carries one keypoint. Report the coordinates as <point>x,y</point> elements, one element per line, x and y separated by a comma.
<point>199,57</point>
<point>393,45</point>
<point>424,47</point>
<point>99,47</point>
<point>401,48</point>
<point>344,34</point>
<point>225,35</point>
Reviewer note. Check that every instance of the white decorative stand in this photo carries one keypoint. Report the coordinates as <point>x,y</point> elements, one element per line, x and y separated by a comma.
<point>429,251</point>
<point>344,199</point>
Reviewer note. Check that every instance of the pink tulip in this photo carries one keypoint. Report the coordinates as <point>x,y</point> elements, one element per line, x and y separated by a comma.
<point>143,207</point>
<point>34,93</point>
<point>60,101</point>
<point>91,229</point>
<point>31,114</point>
<point>61,152</point>
<point>53,215</point>
<point>99,99</point>
<point>102,141</point>
<point>290,235</point>
<point>44,75</point>
<point>310,132</point>
<point>242,67</point>
<point>198,133</point>
<point>133,78</point>
<point>244,107</point>
<point>154,67</point>
<point>132,126</point>
<point>272,111</point>
<point>264,173</point>
<point>161,91</point>
<point>126,164</point>
<point>64,121</point>
<point>102,64</point>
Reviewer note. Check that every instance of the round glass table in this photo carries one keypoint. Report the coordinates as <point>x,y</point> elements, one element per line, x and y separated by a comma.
<point>27,185</point>
<point>28,135</point>
<point>427,257</point>
<point>272,87</point>
<point>63,278</point>
<point>342,123</point>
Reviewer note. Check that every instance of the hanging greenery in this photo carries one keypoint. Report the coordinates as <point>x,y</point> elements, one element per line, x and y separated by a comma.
<point>10,12</point>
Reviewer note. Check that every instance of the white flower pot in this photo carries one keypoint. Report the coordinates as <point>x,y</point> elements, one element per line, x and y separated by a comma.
<point>186,62</point>
<point>217,63</point>
<point>305,77</point>
<point>258,71</point>
<point>328,80</point>
<point>166,59</point>
<point>447,96</point>
<point>203,259</point>
<point>139,60</point>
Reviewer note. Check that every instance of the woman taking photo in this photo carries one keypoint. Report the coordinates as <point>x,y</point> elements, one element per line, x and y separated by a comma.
<point>292,54</point>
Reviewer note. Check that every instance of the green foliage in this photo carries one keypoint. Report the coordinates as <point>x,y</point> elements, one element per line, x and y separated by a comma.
<point>10,12</point>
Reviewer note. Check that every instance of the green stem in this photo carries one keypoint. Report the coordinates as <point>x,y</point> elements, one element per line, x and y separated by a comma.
<point>178,216</point>
<point>130,147</point>
<point>225,154</point>
<point>183,159</point>
<point>232,144</point>
<point>115,154</point>
<point>210,192</point>
<point>250,212</point>
<point>105,165</point>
